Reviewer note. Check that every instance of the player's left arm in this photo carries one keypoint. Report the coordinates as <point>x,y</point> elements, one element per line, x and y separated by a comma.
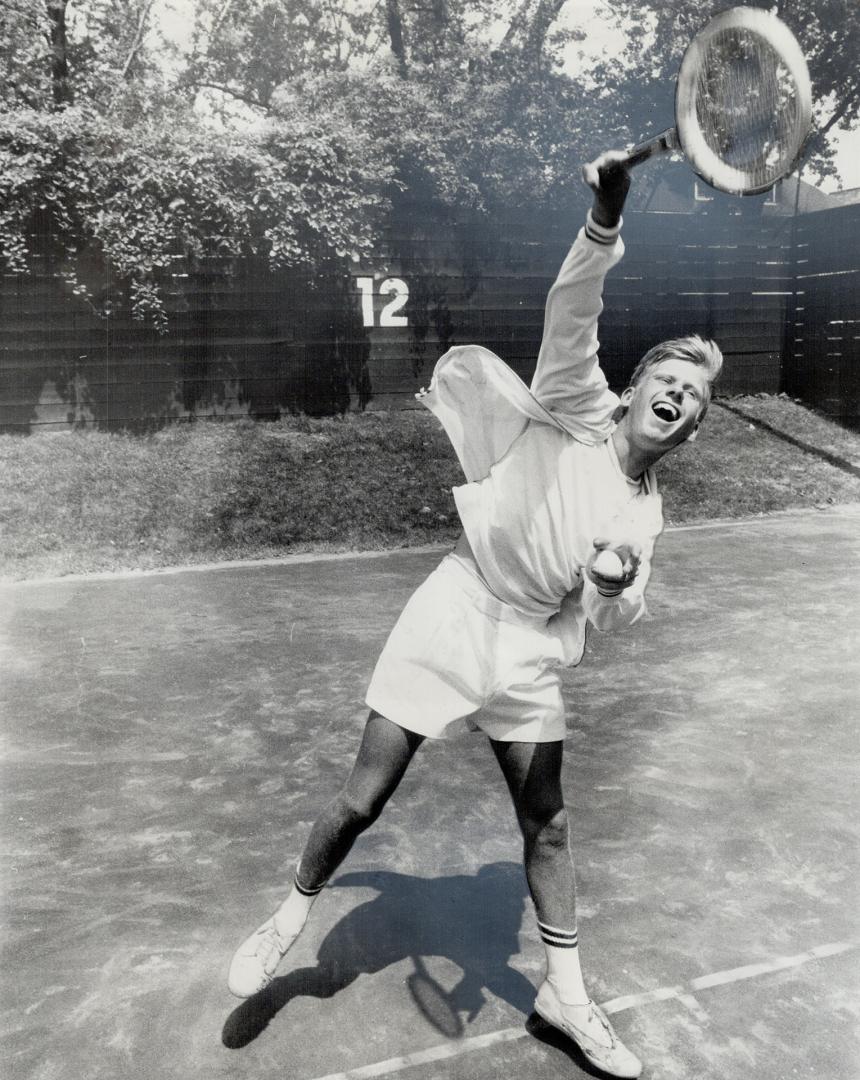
<point>615,599</point>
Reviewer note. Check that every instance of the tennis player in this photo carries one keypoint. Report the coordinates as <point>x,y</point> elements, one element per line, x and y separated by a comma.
<point>556,475</point>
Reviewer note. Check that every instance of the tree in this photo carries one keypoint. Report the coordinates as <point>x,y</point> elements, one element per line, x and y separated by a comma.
<point>24,56</point>
<point>658,31</point>
<point>285,130</point>
<point>287,127</point>
<point>464,111</point>
<point>76,184</point>
<point>102,164</point>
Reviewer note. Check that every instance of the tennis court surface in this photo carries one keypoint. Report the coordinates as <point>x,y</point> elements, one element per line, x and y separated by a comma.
<point>169,738</point>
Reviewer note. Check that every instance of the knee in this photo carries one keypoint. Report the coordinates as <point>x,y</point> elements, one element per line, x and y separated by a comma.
<point>358,809</point>
<point>549,830</point>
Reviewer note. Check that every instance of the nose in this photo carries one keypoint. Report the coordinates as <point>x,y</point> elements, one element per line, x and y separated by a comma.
<point>675,393</point>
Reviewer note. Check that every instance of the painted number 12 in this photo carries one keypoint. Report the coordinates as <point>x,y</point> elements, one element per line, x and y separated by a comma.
<point>388,316</point>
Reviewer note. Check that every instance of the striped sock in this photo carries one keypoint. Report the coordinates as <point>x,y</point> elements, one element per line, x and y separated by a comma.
<point>292,915</point>
<point>306,890</point>
<point>562,963</point>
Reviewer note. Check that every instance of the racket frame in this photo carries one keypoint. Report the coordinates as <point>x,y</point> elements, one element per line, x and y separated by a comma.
<point>687,135</point>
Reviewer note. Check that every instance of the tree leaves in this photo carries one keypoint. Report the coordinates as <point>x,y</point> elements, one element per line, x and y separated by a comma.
<point>75,184</point>
<point>658,32</point>
<point>286,128</point>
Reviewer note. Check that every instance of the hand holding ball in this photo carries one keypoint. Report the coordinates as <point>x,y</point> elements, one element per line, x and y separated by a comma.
<point>608,565</point>
<point>613,568</point>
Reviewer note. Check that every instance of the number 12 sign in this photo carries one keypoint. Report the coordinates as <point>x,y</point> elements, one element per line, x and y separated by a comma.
<point>388,316</point>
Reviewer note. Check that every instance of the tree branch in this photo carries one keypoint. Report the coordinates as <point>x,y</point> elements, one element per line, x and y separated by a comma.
<point>194,58</point>
<point>395,33</point>
<point>218,21</point>
<point>248,99</point>
<point>852,99</point>
<point>138,38</point>
<point>197,58</point>
<point>517,24</point>
<point>60,86</point>
<point>372,25</point>
<point>545,15</point>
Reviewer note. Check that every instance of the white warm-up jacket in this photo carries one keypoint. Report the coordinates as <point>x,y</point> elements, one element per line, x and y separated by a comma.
<point>543,479</point>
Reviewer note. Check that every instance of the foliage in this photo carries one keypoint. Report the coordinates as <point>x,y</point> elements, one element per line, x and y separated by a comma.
<point>658,32</point>
<point>83,190</point>
<point>465,117</point>
<point>286,127</point>
<point>24,56</point>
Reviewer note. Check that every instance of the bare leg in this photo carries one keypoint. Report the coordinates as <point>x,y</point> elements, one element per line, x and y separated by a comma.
<point>383,757</point>
<point>533,775</point>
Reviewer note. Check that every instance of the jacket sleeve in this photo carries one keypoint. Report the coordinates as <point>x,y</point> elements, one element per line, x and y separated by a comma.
<point>622,611</point>
<point>607,613</point>
<point>568,380</point>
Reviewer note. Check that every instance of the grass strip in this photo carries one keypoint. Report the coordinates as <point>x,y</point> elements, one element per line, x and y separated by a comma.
<point>84,501</point>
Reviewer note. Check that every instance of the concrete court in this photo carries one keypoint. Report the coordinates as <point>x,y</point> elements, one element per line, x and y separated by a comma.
<point>170,737</point>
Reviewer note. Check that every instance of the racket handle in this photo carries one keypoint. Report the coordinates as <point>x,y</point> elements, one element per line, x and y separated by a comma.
<point>666,140</point>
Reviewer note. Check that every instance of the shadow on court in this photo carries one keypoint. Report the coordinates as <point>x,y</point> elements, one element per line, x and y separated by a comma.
<point>170,738</point>
<point>472,920</point>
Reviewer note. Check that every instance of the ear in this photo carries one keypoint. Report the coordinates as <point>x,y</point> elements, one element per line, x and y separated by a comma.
<point>623,405</point>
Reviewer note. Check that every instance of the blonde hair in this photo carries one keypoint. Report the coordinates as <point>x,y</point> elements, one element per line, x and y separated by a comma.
<point>693,349</point>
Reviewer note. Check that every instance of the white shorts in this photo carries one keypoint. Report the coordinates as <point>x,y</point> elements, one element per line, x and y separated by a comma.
<point>460,659</point>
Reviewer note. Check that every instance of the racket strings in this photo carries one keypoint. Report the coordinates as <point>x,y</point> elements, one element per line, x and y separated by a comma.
<point>747,105</point>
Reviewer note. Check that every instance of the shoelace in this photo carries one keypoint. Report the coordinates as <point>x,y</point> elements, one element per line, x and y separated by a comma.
<point>269,941</point>
<point>593,1012</point>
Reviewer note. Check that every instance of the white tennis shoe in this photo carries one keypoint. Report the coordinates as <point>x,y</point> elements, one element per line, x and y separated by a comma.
<point>256,960</point>
<point>588,1026</point>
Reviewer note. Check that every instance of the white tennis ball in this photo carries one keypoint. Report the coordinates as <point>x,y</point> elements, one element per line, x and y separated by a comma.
<point>608,565</point>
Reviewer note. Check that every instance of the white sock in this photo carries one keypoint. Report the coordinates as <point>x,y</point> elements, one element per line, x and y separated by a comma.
<point>562,964</point>
<point>292,915</point>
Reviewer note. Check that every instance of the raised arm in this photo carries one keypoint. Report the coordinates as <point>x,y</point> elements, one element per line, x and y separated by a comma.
<point>609,179</point>
<point>568,380</point>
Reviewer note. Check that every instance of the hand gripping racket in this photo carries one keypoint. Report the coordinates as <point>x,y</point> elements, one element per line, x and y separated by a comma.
<point>743,103</point>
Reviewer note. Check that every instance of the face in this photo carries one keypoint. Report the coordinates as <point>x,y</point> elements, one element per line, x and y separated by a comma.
<point>664,406</point>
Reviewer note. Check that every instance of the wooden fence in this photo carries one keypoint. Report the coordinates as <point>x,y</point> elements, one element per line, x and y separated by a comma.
<point>822,349</point>
<point>242,342</point>
<point>245,342</point>
<point>723,269</point>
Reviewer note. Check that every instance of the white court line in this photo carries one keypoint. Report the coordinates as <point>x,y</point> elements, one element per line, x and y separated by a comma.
<point>751,971</point>
<point>300,558</point>
<point>433,1053</point>
<point>615,1005</point>
<point>690,1003</point>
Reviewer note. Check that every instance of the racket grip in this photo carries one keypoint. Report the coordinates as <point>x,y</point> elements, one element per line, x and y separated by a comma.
<point>666,140</point>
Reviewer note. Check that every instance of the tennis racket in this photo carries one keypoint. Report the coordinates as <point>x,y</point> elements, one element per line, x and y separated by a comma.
<point>743,103</point>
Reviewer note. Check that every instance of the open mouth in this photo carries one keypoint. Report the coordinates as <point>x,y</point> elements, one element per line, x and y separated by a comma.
<point>666,411</point>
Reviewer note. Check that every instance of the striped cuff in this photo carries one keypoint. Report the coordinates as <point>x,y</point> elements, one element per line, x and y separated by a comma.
<point>559,939</point>
<point>305,891</point>
<point>599,233</point>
